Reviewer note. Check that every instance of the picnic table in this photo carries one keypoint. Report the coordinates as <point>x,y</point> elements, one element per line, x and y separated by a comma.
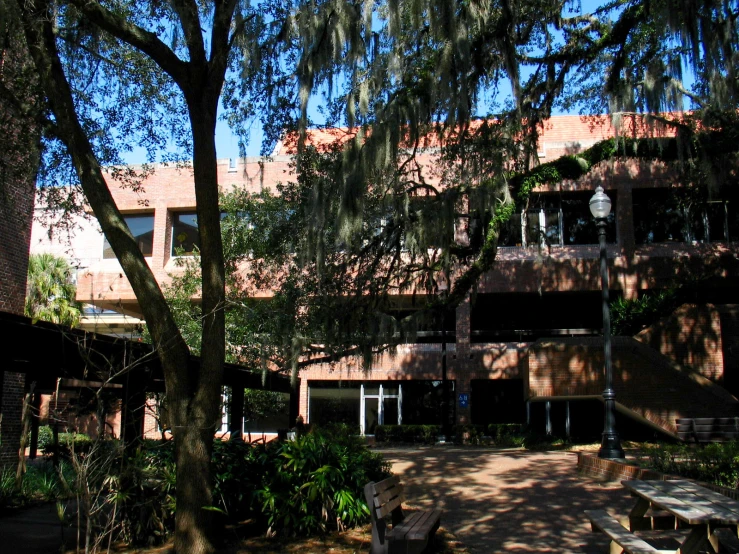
<point>684,503</point>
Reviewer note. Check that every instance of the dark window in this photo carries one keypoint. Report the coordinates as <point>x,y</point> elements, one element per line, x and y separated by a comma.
<point>497,401</point>
<point>422,402</point>
<point>578,225</point>
<point>717,222</point>
<point>334,402</point>
<point>660,215</point>
<point>510,231</point>
<point>564,219</point>
<point>142,229</point>
<point>529,316</point>
<point>683,215</point>
<point>184,233</point>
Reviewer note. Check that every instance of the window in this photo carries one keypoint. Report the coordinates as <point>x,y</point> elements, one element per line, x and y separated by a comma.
<point>557,220</point>
<point>660,215</point>
<point>334,402</point>
<point>681,215</point>
<point>142,229</point>
<point>184,233</point>
<point>423,402</point>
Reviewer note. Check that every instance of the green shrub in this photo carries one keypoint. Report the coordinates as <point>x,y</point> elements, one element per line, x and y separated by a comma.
<point>68,443</point>
<point>630,316</point>
<point>468,434</point>
<point>716,463</point>
<point>411,434</point>
<point>497,434</point>
<point>315,483</point>
<point>311,485</point>
<point>507,434</point>
<point>145,493</point>
<point>45,437</point>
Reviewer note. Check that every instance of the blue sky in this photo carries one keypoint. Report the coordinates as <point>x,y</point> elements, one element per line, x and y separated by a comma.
<point>227,145</point>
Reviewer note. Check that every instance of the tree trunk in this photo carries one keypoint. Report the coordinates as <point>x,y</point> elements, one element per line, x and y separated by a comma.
<point>26,419</point>
<point>193,392</point>
<point>197,410</point>
<point>193,524</point>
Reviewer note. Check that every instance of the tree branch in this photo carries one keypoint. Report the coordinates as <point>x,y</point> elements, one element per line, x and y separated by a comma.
<point>136,36</point>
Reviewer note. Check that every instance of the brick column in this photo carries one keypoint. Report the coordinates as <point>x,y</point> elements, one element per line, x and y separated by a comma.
<point>462,362</point>
<point>13,385</point>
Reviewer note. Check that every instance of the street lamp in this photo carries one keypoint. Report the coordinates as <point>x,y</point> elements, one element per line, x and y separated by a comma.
<point>600,207</point>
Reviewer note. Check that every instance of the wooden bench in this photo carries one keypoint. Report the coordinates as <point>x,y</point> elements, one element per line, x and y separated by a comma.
<point>409,534</point>
<point>708,429</point>
<point>622,539</point>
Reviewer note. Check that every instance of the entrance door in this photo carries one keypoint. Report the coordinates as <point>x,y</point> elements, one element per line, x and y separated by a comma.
<point>380,405</point>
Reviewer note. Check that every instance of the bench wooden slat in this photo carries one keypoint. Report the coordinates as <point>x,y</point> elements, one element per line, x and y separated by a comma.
<point>388,501</point>
<point>410,533</point>
<point>416,526</point>
<point>602,521</point>
<point>387,496</point>
<point>382,486</point>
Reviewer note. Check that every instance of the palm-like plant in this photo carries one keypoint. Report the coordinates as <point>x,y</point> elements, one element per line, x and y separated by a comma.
<point>50,292</point>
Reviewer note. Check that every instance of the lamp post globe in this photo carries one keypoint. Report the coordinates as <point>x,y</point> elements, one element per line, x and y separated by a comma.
<point>610,448</point>
<point>600,204</point>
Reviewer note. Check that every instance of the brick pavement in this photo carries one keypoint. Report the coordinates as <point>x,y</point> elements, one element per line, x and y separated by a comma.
<point>509,501</point>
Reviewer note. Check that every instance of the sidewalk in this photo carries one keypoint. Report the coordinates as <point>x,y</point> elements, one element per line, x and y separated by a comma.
<point>509,501</point>
<point>35,530</point>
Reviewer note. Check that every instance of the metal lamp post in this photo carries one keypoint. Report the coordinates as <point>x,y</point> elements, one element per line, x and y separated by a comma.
<point>600,207</point>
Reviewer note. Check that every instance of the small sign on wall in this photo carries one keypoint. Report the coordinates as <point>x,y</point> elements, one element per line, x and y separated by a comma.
<point>464,400</point>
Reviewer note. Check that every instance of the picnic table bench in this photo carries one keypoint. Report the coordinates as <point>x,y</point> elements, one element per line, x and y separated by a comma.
<point>627,541</point>
<point>409,534</point>
<point>688,505</point>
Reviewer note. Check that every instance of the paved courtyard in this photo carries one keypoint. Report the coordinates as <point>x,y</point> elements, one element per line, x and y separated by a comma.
<point>509,501</point>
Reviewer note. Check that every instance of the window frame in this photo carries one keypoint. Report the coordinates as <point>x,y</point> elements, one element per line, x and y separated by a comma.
<point>126,217</point>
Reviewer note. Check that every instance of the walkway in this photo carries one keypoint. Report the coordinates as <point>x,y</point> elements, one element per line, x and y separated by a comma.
<point>35,531</point>
<point>509,501</point>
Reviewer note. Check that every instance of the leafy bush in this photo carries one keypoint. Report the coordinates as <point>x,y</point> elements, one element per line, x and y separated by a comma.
<point>40,483</point>
<point>507,434</point>
<point>45,437</point>
<point>310,485</point>
<point>631,316</point>
<point>144,492</point>
<point>716,463</point>
<point>498,434</point>
<point>68,443</point>
<point>315,483</point>
<point>414,434</point>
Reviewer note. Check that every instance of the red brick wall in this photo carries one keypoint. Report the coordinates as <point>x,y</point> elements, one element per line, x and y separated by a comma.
<point>18,164</point>
<point>690,337</point>
<point>648,384</point>
<point>16,215</point>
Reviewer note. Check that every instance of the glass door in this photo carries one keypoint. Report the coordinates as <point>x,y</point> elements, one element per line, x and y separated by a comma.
<point>380,405</point>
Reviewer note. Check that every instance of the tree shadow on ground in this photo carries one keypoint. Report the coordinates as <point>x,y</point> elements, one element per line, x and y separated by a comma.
<point>509,501</point>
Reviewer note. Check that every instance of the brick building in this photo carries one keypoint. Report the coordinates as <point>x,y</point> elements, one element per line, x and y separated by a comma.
<point>526,344</point>
<point>18,155</point>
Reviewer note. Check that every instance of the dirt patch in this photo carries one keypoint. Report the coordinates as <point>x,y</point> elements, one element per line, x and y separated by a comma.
<point>351,541</point>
